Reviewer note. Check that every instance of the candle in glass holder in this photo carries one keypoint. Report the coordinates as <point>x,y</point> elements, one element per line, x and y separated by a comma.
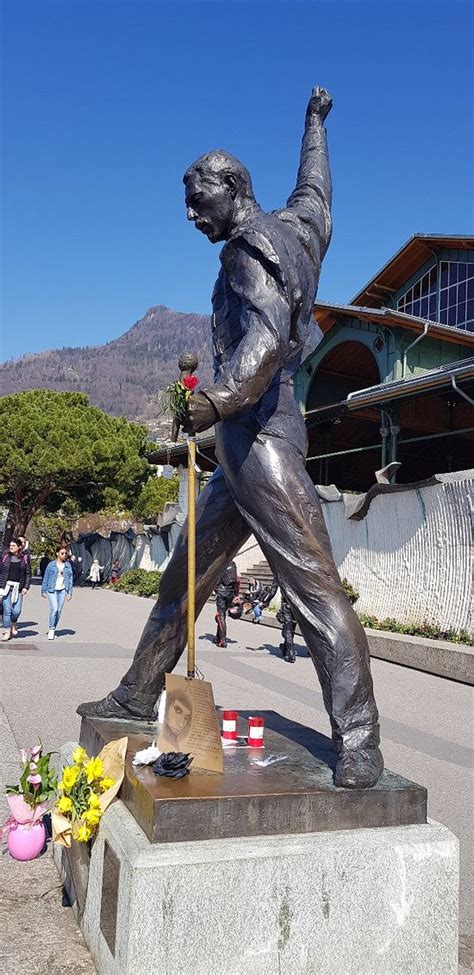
<point>229,725</point>
<point>255,735</point>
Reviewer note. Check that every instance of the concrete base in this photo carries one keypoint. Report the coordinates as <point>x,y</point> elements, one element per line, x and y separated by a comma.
<point>373,901</point>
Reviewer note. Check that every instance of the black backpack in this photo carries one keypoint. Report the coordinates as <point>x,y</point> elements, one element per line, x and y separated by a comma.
<point>229,576</point>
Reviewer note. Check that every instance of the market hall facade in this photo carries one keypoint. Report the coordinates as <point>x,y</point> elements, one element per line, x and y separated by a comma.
<point>392,378</point>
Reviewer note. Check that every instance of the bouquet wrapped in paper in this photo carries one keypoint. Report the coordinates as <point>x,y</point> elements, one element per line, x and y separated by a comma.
<point>86,789</point>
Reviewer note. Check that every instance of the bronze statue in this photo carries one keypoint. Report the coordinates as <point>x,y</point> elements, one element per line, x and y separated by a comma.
<point>262,328</point>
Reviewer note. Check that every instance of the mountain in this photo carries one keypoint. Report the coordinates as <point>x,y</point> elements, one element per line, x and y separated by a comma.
<point>125,376</point>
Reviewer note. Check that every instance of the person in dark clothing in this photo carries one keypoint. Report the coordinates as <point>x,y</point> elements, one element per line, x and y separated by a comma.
<point>288,627</point>
<point>76,566</point>
<point>44,562</point>
<point>252,595</point>
<point>226,590</point>
<point>15,578</point>
<point>115,573</point>
<point>263,600</point>
<point>25,549</point>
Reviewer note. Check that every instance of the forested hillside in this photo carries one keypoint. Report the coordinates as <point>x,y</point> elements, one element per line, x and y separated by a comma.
<point>125,376</point>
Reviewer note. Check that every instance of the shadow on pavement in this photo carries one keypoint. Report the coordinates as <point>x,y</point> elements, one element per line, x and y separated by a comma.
<point>275,651</point>
<point>211,638</point>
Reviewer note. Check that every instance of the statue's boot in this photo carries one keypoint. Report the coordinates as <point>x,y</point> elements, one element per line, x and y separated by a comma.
<point>109,707</point>
<point>358,768</point>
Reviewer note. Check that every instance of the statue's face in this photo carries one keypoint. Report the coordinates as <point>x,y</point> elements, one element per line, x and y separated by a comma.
<point>211,206</point>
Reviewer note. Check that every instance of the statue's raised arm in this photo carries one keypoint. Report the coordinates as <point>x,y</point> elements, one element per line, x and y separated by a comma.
<point>312,196</point>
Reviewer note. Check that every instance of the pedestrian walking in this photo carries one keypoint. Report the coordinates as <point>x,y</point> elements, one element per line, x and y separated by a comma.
<point>25,549</point>
<point>56,587</point>
<point>76,566</point>
<point>44,562</point>
<point>227,588</point>
<point>288,627</point>
<point>15,578</point>
<point>94,573</point>
<point>115,573</point>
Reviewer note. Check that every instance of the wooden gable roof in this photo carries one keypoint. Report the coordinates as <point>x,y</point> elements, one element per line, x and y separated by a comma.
<point>327,313</point>
<point>405,263</point>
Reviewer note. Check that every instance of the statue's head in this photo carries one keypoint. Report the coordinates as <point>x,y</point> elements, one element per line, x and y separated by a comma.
<point>218,187</point>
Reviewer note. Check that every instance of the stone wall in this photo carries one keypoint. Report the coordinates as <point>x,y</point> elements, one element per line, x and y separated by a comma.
<point>410,556</point>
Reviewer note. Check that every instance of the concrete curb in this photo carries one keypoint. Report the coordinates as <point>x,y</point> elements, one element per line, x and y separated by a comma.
<point>455,661</point>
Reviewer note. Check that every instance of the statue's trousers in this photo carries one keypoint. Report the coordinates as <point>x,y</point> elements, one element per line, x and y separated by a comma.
<point>261,486</point>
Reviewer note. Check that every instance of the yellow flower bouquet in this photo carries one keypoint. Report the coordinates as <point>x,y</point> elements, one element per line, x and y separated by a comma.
<point>85,789</point>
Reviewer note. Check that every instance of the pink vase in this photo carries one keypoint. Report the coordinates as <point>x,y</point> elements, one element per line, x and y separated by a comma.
<point>19,809</point>
<point>26,840</point>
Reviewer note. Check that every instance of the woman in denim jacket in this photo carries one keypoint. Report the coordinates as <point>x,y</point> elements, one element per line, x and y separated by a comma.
<point>57,586</point>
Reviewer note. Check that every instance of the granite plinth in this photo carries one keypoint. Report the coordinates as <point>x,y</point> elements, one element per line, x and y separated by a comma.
<point>294,795</point>
<point>353,902</point>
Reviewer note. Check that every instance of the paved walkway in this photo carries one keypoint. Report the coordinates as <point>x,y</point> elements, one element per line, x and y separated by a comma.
<point>426,727</point>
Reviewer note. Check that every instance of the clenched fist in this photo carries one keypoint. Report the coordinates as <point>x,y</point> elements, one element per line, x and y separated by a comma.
<point>320,103</point>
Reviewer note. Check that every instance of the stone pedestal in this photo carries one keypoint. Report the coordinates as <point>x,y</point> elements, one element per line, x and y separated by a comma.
<point>380,901</point>
<point>264,871</point>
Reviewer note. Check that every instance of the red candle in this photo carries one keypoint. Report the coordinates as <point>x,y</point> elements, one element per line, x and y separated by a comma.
<point>255,736</point>
<point>229,725</point>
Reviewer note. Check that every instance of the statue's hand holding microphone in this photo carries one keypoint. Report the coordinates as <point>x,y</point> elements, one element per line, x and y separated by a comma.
<point>201,414</point>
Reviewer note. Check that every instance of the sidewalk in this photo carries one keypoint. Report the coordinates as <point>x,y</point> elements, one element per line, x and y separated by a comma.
<point>39,933</point>
<point>426,726</point>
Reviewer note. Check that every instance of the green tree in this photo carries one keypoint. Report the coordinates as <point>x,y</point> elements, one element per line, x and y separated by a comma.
<point>153,497</point>
<point>56,445</point>
<point>49,529</point>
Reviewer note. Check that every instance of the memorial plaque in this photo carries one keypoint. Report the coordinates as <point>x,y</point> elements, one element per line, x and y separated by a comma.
<point>190,723</point>
<point>295,795</point>
<point>109,899</point>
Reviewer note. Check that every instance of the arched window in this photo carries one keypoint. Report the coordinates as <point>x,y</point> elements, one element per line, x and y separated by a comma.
<point>347,367</point>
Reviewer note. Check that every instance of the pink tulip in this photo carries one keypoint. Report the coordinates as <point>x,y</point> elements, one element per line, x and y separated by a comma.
<point>36,752</point>
<point>24,755</point>
<point>34,780</point>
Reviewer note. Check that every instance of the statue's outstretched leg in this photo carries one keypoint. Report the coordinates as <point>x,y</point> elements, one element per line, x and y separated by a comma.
<point>220,532</point>
<point>277,498</point>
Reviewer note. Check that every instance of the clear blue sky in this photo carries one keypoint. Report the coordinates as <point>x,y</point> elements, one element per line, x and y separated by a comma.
<point>107,103</point>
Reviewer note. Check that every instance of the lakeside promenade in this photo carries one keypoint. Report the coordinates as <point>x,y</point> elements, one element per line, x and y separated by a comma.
<point>426,724</point>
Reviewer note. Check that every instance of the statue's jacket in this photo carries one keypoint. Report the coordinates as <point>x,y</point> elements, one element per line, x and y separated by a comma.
<point>262,327</point>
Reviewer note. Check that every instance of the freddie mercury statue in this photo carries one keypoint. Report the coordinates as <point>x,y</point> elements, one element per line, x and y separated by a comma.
<point>262,329</point>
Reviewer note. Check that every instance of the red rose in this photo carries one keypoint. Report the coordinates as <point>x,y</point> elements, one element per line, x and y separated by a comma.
<point>190,382</point>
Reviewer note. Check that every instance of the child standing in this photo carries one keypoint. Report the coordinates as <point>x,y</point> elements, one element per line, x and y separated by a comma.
<point>94,574</point>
